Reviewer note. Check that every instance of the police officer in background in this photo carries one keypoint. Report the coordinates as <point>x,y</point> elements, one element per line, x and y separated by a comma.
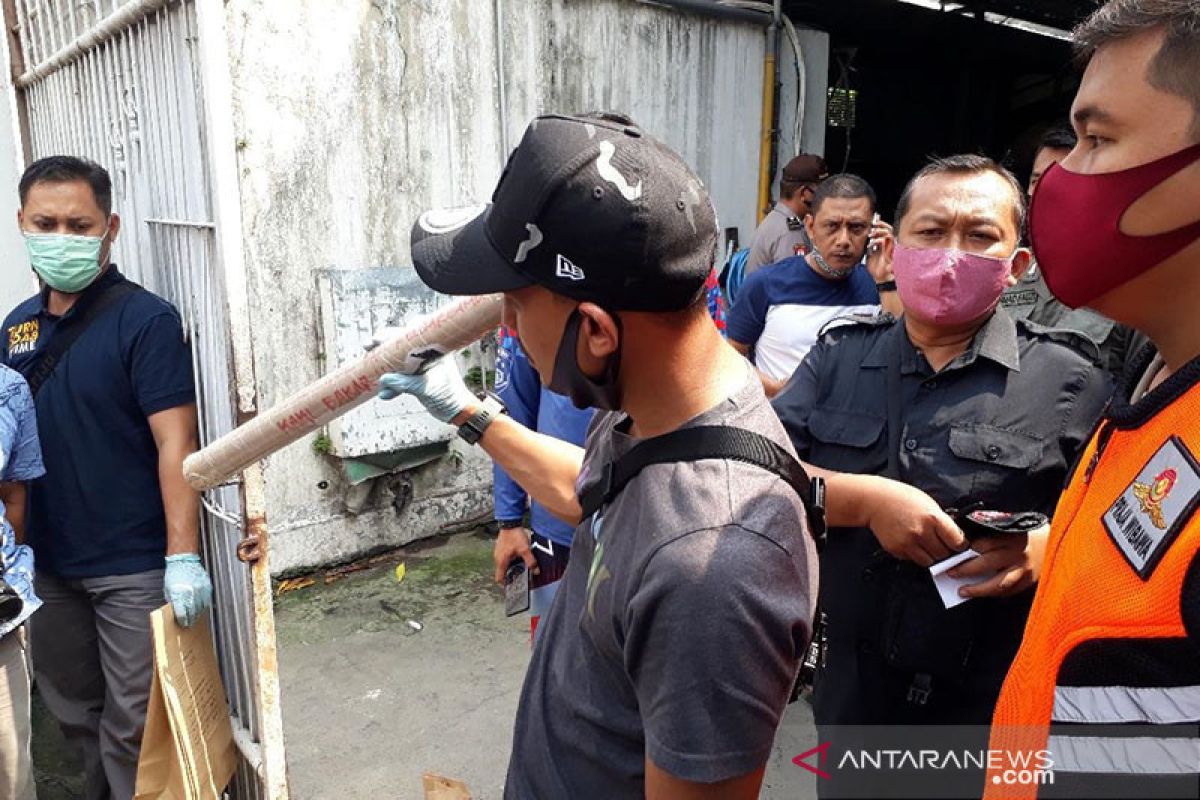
<point>961,402</point>
<point>781,234</point>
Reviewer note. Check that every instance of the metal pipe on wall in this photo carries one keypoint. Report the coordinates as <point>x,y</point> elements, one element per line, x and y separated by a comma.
<point>773,19</point>
<point>501,77</point>
<point>713,8</point>
<point>113,25</point>
<point>766,168</point>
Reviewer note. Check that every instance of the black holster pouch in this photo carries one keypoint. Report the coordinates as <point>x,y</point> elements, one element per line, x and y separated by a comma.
<point>10,604</point>
<point>920,635</point>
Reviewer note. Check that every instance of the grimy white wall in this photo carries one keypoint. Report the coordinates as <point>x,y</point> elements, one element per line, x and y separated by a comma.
<point>16,280</point>
<point>355,116</point>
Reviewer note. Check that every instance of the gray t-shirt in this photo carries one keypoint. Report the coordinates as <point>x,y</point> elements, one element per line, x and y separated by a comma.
<point>678,629</point>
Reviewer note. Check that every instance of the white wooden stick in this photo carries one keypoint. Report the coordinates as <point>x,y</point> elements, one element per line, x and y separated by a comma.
<point>444,331</point>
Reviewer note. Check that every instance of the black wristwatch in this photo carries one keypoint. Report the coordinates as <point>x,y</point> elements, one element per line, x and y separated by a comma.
<point>886,286</point>
<point>472,430</point>
<point>505,524</point>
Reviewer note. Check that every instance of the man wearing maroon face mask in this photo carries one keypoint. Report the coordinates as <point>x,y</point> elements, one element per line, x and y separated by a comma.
<point>1111,656</point>
<point>964,404</point>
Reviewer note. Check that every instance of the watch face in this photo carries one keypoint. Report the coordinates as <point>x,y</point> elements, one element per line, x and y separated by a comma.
<point>472,430</point>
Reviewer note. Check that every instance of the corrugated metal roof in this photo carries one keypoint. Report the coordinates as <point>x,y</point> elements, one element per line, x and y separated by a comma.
<point>1063,14</point>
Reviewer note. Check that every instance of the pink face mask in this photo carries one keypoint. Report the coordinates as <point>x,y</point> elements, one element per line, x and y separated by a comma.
<point>949,287</point>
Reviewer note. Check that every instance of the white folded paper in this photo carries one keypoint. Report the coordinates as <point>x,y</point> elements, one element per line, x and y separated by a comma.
<point>948,587</point>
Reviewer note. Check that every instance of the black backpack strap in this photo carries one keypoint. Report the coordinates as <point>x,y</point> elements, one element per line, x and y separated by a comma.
<point>710,442</point>
<point>87,309</point>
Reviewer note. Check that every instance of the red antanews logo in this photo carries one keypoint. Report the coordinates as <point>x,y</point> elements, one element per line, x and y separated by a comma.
<point>821,751</point>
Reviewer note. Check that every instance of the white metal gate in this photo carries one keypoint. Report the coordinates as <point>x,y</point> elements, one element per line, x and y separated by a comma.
<point>120,82</point>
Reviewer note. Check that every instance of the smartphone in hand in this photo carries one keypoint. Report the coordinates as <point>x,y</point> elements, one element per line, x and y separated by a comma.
<point>516,588</point>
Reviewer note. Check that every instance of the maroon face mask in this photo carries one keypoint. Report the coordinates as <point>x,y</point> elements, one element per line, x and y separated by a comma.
<point>1075,228</point>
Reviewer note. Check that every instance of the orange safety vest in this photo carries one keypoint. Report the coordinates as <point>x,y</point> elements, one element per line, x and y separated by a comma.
<point>1108,615</point>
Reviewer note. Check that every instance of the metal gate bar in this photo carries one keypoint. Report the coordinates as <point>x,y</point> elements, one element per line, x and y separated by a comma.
<point>119,81</point>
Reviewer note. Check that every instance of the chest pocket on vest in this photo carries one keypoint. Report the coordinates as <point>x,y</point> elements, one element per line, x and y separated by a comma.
<point>848,440</point>
<point>998,461</point>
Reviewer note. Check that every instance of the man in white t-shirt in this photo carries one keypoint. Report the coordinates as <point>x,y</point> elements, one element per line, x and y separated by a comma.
<point>782,308</point>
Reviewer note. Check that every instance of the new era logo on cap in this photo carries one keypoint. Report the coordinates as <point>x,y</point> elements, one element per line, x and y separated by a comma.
<point>588,207</point>
<point>565,269</point>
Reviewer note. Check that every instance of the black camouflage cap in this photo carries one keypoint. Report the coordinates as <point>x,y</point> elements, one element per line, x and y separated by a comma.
<point>588,207</point>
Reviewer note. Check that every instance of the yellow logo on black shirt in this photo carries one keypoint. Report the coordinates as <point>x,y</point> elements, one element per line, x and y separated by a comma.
<point>23,338</point>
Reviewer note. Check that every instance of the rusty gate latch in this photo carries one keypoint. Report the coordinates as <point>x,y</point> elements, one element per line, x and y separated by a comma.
<point>249,549</point>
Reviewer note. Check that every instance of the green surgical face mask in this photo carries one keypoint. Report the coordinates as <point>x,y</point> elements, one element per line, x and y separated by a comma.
<point>65,262</point>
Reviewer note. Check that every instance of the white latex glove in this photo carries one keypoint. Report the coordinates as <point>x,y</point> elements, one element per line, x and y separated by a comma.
<point>440,389</point>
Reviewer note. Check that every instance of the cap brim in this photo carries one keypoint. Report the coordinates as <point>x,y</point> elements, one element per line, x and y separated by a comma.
<point>453,254</point>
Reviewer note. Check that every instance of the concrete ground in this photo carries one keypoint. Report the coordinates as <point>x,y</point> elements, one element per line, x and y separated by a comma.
<point>370,702</point>
<point>57,771</point>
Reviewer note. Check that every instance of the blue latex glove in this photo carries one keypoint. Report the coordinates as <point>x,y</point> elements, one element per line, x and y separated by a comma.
<point>187,588</point>
<point>440,389</point>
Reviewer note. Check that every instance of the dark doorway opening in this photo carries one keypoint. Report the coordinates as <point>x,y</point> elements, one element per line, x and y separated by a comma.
<point>928,82</point>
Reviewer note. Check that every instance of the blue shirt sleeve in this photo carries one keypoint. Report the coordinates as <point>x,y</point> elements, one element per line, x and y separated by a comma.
<point>519,387</point>
<point>748,316</point>
<point>24,463</point>
<point>161,364</point>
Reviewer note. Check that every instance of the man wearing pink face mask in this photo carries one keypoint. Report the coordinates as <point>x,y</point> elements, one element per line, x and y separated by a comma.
<point>971,408</point>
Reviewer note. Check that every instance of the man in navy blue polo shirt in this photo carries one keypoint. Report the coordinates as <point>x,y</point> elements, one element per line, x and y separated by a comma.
<point>116,415</point>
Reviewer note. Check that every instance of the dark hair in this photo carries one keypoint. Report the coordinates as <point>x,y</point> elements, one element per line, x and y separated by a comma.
<point>788,188</point>
<point>966,164</point>
<point>1175,67</point>
<point>845,186</point>
<point>1060,137</point>
<point>64,169</point>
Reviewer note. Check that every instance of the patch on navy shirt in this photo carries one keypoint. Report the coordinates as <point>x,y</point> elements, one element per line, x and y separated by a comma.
<point>1150,513</point>
<point>23,338</point>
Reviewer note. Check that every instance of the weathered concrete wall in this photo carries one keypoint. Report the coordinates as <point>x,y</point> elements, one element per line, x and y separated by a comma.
<point>355,116</point>
<point>694,82</point>
<point>352,117</point>
<point>16,280</point>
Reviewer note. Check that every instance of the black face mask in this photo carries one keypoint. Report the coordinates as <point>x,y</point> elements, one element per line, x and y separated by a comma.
<point>568,379</point>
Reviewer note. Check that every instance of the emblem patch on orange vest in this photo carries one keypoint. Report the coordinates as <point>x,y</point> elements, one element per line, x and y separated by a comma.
<point>1148,515</point>
<point>1151,495</point>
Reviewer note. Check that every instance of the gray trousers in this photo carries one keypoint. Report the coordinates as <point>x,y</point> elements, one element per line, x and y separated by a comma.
<point>16,770</point>
<point>92,657</point>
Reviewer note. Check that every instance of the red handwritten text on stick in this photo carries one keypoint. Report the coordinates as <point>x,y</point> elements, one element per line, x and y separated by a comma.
<point>348,392</point>
<point>298,419</point>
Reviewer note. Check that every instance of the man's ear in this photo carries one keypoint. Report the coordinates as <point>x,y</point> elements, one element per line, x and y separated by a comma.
<point>114,226</point>
<point>20,219</point>
<point>1022,260</point>
<point>809,223</point>
<point>599,334</point>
